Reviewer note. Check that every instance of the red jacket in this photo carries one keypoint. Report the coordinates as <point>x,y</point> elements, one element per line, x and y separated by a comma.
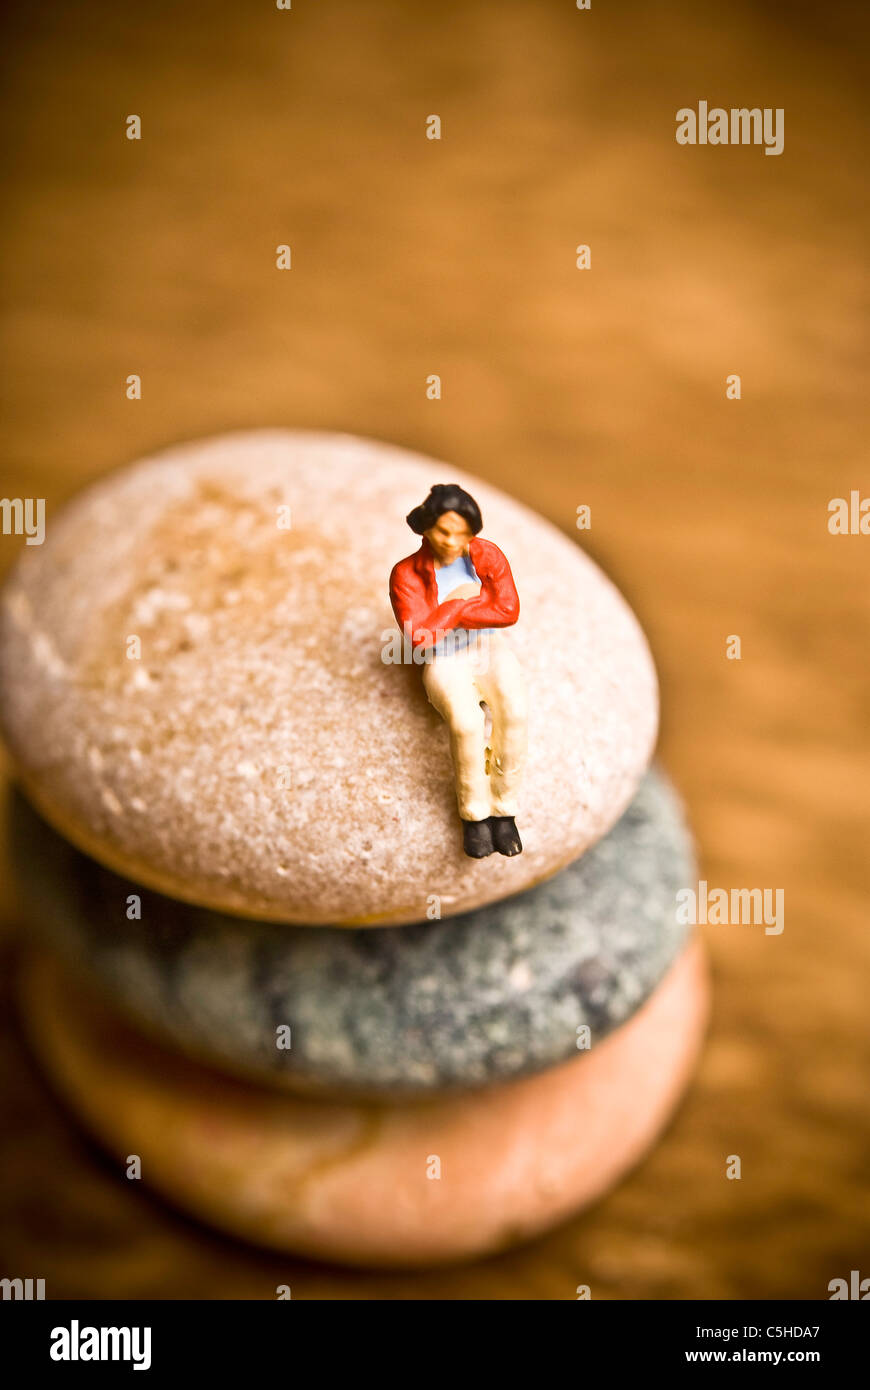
<point>414,594</point>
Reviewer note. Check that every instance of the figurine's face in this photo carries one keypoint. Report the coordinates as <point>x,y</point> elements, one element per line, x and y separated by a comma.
<point>449,537</point>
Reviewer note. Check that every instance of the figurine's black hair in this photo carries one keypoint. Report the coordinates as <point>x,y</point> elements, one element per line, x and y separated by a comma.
<point>445,497</point>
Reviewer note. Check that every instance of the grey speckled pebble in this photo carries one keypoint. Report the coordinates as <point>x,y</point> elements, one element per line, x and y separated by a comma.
<point>490,995</point>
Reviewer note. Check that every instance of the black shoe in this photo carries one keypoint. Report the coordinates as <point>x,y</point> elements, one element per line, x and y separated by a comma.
<point>505,836</point>
<point>477,838</point>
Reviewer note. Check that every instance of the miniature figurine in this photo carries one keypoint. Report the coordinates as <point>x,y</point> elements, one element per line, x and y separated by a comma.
<point>450,599</point>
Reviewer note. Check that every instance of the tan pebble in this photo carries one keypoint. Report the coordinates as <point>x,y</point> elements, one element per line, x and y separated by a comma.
<point>261,648</point>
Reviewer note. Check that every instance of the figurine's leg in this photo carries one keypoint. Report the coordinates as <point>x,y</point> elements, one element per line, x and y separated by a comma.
<point>450,684</point>
<point>503,686</point>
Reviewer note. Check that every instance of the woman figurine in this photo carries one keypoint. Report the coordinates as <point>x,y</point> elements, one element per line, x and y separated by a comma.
<point>450,599</point>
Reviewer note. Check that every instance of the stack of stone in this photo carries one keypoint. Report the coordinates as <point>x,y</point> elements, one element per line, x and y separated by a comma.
<point>267,970</point>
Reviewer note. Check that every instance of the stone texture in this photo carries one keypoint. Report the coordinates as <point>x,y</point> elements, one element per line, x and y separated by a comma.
<point>486,996</point>
<point>261,758</point>
<point>349,1182</point>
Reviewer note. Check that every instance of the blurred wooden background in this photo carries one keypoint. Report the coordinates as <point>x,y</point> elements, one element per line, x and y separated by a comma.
<point>604,387</point>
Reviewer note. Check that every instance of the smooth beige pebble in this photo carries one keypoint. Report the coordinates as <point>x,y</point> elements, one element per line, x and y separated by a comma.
<point>193,689</point>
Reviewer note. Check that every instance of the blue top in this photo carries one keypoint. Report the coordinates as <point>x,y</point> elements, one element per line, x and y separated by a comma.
<point>448,577</point>
<point>459,572</point>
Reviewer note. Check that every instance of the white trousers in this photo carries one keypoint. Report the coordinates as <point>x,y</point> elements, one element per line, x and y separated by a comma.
<point>487,770</point>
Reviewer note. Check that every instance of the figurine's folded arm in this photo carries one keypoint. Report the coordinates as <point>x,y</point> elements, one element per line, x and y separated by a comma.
<point>413,614</point>
<point>497,604</point>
